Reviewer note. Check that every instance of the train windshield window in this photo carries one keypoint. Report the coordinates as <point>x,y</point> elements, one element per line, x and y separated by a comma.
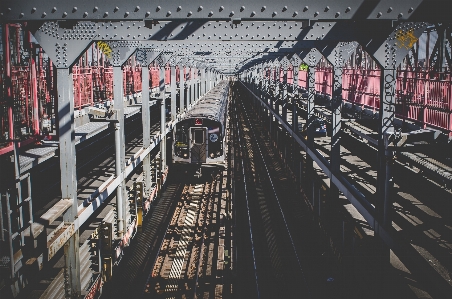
<point>199,136</point>
<point>181,137</point>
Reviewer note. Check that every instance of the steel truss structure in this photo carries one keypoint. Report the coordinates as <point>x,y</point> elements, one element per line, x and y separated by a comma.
<point>243,38</point>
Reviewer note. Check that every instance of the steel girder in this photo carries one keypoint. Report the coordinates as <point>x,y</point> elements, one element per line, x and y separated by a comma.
<point>32,10</point>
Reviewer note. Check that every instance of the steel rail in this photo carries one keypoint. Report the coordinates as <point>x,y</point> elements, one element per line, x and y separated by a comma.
<point>277,200</point>
<point>248,210</point>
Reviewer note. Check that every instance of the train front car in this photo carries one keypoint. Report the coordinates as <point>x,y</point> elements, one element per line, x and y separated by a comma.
<point>198,137</point>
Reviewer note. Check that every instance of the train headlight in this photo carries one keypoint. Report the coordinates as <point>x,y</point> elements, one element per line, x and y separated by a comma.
<point>212,155</point>
<point>185,155</point>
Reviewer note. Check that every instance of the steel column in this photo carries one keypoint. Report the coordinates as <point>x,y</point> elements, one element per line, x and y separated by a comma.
<point>192,86</point>
<point>68,159</point>
<point>385,157</point>
<point>121,197</point>
<point>173,93</point>
<point>197,84</point>
<point>295,98</point>
<point>146,120</point>
<point>163,141</point>
<point>162,123</point>
<point>203,81</point>
<point>182,107</point>
<point>284,95</point>
<point>336,107</point>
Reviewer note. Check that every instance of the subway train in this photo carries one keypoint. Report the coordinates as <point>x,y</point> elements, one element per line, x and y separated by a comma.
<point>199,137</point>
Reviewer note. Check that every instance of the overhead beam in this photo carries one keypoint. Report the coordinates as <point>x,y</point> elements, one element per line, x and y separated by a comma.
<point>31,10</point>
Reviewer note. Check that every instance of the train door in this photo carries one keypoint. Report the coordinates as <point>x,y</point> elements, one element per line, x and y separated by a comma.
<point>198,151</point>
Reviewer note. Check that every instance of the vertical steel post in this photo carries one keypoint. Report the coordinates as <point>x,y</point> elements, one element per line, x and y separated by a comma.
<point>385,156</point>
<point>309,119</point>
<point>162,123</point>
<point>173,93</point>
<point>181,89</point>
<point>295,99</point>
<point>192,86</point>
<point>284,94</point>
<point>336,108</point>
<point>146,121</point>
<point>203,82</point>
<point>163,139</point>
<point>121,198</point>
<point>68,159</point>
<point>197,83</point>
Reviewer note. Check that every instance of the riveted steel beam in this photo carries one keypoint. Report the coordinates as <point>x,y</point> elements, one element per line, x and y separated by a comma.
<point>32,10</point>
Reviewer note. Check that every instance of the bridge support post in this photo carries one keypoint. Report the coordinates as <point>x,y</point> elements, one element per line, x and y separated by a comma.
<point>278,95</point>
<point>284,94</point>
<point>203,82</point>
<point>68,155</point>
<point>336,110</point>
<point>121,198</point>
<point>162,122</point>
<point>145,57</point>
<point>197,84</point>
<point>192,86</point>
<point>181,89</point>
<point>295,99</point>
<point>173,93</point>
<point>310,135</point>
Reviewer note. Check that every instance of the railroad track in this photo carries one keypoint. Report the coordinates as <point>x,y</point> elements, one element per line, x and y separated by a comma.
<point>280,250</point>
<point>185,264</point>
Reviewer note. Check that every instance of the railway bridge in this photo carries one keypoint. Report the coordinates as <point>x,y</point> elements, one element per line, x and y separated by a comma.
<point>337,171</point>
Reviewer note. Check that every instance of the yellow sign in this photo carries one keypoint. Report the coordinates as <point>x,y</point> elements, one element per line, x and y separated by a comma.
<point>406,39</point>
<point>105,48</point>
<point>304,67</point>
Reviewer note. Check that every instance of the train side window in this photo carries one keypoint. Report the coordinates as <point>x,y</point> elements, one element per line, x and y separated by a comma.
<point>199,136</point>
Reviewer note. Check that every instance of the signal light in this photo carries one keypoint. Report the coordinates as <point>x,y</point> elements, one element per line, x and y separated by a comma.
<point>198,121</point>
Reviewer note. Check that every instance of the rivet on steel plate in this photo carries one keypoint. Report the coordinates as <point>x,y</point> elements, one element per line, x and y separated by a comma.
<point>379,14</point>
<point>263,8</point>
<point>74,9</point>
<point>33,9</point>
<point>305,8</point>
<point>64,14</point>
<point>295,13</point>
<point>348,9</point>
